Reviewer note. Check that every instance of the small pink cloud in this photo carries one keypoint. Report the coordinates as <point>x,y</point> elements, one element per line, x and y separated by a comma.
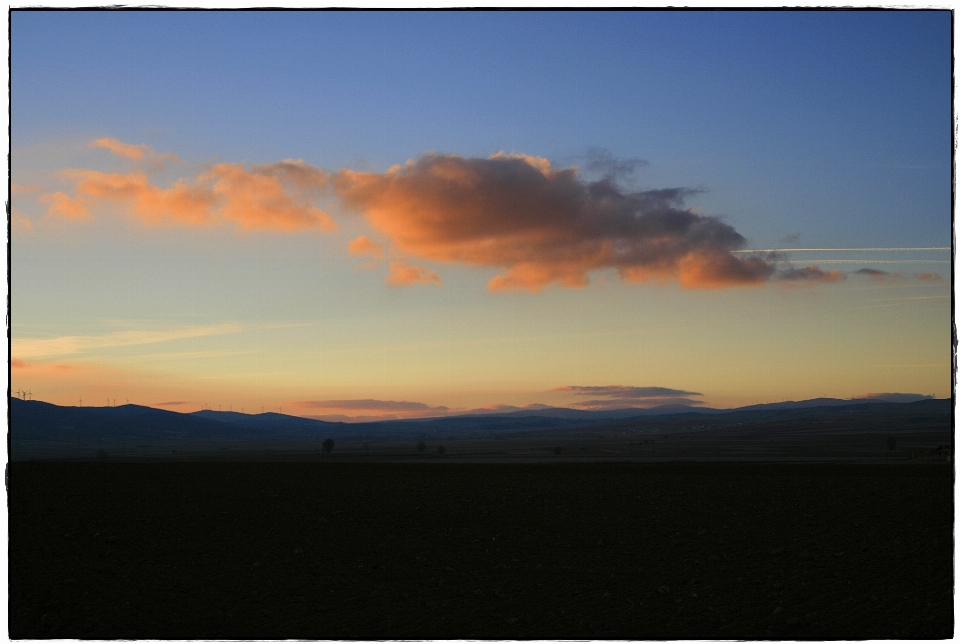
<point>363,245</point>
<point>141,152</point>
<point>403,274</point>
<point>62,205</point>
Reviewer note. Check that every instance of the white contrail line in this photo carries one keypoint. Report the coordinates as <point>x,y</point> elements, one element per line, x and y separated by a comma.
<point>787,250</point>
<point>911,365</point>
<point>866,261</point>
<point>922,297</point>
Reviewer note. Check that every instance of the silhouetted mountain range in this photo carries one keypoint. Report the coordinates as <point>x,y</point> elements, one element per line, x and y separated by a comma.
<point>38,426</point>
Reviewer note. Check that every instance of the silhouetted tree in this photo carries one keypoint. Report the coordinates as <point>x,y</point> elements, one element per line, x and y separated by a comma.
<point>421,445</point>
<point>328,446</point>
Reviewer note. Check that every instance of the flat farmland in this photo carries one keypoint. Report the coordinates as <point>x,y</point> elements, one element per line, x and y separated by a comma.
<point>337,550</point>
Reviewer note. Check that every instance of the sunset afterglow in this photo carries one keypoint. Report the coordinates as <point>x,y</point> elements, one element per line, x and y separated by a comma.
<point>395,215</point>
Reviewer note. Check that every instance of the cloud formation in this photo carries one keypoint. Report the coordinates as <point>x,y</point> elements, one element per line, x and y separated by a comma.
<point>368,409</point>
<point>884,276</point>
<point>811,275</point>
<point>404,274</point>
<point>141,152</point>
<point>618,391</point>
<point>277,196</point>
<point>65,345</point>
<point>363,245</point>
<point>893,397</point>
<point>538,224</point>
<point>618,396</point>
<point>545,225</point>
<point>872,273</point>
<point>60,204</point>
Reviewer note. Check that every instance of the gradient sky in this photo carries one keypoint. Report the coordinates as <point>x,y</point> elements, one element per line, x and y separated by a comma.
<point>371,213</point>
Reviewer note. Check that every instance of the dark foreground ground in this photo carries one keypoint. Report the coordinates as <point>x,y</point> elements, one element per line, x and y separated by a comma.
<point>457,551</point>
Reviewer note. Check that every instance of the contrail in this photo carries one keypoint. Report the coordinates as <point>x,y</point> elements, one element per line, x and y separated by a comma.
<point>786,250</point>
<point>867,261</point>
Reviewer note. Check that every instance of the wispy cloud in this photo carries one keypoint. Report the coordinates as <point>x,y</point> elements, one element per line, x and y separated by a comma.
<point>357,410</point>
<point>893,397</point>
<point>618,396</point>
<point>811,275</point>
<point>60,204</point>
<point>873,273</point>
<point>404,274</point>
<point>884,276</point>
<point>71,344</point>
<point>367,404</point>
<point>363,245</point>
<point>619,391</point>
<point>142,152</point>
<point>277,196</point>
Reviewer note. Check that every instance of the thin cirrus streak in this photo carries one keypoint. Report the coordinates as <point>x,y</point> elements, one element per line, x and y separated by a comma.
<point>937,364</point>
<point>65,345</point>
<point>922,297</point>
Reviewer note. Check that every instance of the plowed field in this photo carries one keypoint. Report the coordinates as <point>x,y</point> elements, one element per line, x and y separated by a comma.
<point>457,551</point>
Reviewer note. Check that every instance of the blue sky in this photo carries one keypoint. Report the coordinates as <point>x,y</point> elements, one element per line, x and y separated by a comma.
<point>801,129</point>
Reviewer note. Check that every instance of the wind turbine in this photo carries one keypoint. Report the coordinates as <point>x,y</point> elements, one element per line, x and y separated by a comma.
<point>81,401</point>
<point>29,394</point>
<point>17,393</point>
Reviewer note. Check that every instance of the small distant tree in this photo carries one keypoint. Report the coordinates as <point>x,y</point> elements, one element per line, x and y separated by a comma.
<point>891,441</point>
<point>328,446</point>
<point>441,450</point>
<point>421,445</point>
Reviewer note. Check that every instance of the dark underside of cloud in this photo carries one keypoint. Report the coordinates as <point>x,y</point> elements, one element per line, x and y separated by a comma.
<point>546,225</point>
<point>618,396</point>
<point>810,275</point>
<point>369,404</point>
<point>893,397</point>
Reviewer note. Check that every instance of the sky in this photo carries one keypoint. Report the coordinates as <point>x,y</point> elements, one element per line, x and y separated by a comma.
<point>359,215</point>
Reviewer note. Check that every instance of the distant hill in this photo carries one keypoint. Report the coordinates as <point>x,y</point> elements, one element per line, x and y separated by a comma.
<point>41,428</point>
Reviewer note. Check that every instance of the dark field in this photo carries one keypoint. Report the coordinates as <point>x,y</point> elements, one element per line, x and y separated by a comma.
<point>492,551</point>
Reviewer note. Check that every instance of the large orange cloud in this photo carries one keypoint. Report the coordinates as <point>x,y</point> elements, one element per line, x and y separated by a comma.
<point>545,225</point>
